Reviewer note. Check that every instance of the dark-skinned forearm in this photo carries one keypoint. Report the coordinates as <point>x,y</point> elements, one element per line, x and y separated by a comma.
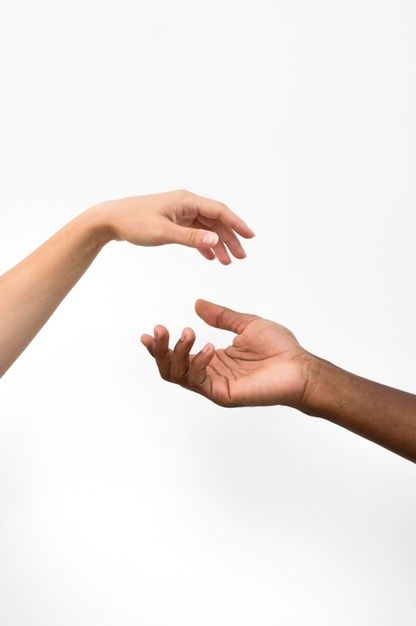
<point>379,413</point>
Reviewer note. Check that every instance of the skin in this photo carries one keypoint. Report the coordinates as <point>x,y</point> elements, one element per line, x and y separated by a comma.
<point>265,365</point>
<point>32,290</point>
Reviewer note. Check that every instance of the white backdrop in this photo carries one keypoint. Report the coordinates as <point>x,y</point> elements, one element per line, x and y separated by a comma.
<point>124,500</point>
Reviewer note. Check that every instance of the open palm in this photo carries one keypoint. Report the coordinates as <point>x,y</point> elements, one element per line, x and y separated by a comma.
<point>265,364</point>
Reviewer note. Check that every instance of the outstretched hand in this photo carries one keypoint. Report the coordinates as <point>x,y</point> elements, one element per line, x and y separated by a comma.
<point>265,365</point>
<point>175,217</point>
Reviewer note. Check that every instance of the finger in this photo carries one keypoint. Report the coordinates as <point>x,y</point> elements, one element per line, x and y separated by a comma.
<point>161,351</point>
<point>192,237</point>
<point>222,254</point>
<point>221,317</point>
<point>207,253</point>
<point>229,238</point>
<point>147,341</point>
<point>179,363</point>
<point>198,376</point>
<point>221,212</point>
<point>226,236</point>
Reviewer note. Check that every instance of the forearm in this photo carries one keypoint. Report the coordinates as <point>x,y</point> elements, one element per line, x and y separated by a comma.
<point>382,414</point>
<point>31,291</point>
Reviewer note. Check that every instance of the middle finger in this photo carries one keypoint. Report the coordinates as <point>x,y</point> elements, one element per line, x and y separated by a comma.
<point>179,364</point>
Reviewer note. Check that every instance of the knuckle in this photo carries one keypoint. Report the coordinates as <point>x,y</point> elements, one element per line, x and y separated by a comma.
<point>222,208</point>
<point>182,193</point>
<point>191,236</point>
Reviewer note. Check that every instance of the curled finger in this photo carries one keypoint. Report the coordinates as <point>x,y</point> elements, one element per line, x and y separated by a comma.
<point>207,253</point>
<point>161,351</point>
<point>198,376</point>
<point>147,341</point>
<point>179,362</point>
<point>222,254</point>
<point>230,239</point>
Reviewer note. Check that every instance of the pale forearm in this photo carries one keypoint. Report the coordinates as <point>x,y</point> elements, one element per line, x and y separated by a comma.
<point>31,291</point>
<point>382,414</point>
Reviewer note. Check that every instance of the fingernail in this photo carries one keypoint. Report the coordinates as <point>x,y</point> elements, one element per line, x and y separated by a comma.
<point>183,336</point>
<point>210,239</point>
<point>207,348</point>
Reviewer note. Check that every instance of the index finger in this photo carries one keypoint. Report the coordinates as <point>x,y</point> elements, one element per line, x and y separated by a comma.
<point>215,210</point>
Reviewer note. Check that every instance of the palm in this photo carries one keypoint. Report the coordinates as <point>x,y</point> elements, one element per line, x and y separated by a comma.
<point>263,366</point>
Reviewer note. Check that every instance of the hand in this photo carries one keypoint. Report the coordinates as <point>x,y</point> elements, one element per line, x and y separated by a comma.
<point>175,217</point>
<point>265,365</point>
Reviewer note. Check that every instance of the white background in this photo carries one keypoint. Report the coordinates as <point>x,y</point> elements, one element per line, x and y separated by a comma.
<point>125,500</point>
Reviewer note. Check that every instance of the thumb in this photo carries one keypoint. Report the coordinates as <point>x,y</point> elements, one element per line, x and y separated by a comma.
<point>221,317</point>
<point>192,237</point>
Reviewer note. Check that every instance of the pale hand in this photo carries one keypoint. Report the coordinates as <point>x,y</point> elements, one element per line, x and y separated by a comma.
<point>174,217</point>
<point>265,365</point>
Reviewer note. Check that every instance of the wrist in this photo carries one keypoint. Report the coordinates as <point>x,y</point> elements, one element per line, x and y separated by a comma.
<point>96,221</point>
<point>322,389</point>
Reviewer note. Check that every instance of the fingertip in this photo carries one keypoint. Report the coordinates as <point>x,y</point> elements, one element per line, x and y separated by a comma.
<point>159,330</point>
<point>246,231</point>
<point>147,342</point>
<point>187,334</point>
<point>240,254</point>
<point>204,307</point>
<point>208,348</point>
<point>200,305</point>
<point>209,239</point>
<point>199,302</point>
<point>225,260</point>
